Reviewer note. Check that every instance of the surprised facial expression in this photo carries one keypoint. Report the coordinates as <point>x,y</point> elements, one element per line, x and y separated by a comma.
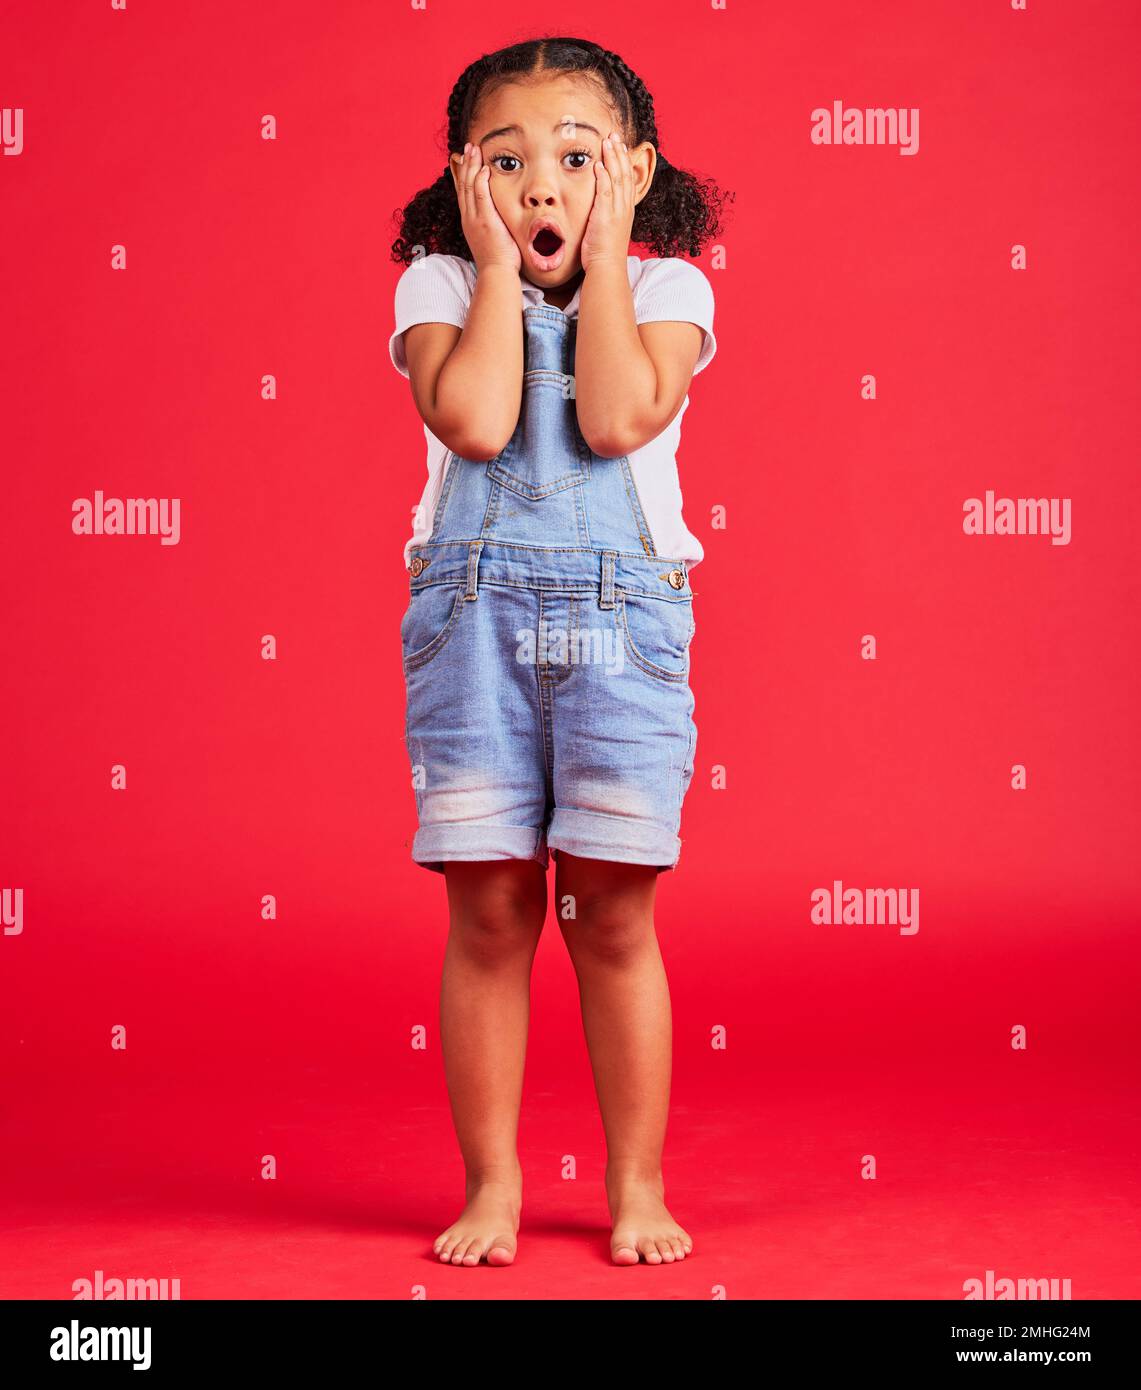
<point>541,140</point>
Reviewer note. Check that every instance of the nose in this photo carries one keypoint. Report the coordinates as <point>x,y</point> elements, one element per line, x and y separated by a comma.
<point>541,186</point>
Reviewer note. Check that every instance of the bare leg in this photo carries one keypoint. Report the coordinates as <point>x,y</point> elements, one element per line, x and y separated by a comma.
<point>497,910</point>
<point>626,1017</point>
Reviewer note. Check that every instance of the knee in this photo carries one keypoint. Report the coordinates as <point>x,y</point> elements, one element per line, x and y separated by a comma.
<point>497,926</point>
<point>607,930</point>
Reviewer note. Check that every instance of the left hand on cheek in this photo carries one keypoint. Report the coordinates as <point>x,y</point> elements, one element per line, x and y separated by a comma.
<point>612,216</point>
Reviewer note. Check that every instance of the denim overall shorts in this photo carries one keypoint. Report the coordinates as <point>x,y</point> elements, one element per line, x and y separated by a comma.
<point>546,648</point>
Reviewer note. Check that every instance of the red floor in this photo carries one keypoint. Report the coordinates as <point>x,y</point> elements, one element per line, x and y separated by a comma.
<point>1027,1165</point>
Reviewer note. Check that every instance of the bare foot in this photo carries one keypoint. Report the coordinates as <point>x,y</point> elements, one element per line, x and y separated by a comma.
<point>486,1227</point>
<point>643,1226</point>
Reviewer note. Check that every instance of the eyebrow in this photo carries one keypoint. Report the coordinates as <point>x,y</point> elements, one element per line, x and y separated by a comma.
<point>559,125</point>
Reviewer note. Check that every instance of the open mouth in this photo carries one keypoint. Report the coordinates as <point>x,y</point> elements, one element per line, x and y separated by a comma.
<point>547,248</point>
<point>547,241</point>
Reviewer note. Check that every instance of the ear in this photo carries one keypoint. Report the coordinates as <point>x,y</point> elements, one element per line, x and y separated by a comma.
<point>643,162</point>
<point>455,165</point>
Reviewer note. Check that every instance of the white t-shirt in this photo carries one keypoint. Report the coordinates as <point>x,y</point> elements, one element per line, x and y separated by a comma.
<point>439,288</point>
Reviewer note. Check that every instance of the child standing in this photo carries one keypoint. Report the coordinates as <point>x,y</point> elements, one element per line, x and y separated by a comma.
<point>546,640</point>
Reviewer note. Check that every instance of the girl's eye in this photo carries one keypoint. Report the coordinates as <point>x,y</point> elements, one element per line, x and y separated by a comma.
<point>570,154</point>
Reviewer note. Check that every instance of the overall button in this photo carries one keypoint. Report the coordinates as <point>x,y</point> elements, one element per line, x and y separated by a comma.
<point>676,578</point>
<point>418,563</point>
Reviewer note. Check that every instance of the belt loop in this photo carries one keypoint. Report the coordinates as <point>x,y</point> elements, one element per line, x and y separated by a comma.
<point>473,550</point>
<point>606,597</point>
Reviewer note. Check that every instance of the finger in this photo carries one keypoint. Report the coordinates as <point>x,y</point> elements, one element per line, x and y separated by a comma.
<point>481,189</point>
<point>619,163</point>
<point>627,165</point>
<point>471,169</point>
<point>465,180</point>
<point>473,166</point>
<point>478,179</point>
<point>620,167</point>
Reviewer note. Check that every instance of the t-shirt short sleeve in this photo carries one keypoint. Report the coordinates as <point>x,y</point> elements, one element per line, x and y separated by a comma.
<point>434,289</point>
<point>676,290</point>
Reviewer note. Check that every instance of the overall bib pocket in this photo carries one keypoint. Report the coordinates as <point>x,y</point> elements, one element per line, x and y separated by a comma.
<point>657,633</point>
<point>428,622</point>
<point>547,452</point>
<point>500,470</point>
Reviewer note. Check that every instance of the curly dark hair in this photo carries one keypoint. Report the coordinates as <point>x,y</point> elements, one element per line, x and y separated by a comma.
<point>680,212</point>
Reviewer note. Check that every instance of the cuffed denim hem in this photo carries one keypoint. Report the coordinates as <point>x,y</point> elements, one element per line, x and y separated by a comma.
<point>434,845</point>
<point>621,839</point>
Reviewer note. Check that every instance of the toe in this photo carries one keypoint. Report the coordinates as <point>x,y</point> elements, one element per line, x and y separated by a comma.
<point>623,1252</point>
<point>460,1250</point>
<point>678,1248</point>
<point>665,1250</point>
<point>501,1251</point>
<point>649,1250</point>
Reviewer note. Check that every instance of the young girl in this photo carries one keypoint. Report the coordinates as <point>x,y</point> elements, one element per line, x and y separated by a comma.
<point>546,640</point>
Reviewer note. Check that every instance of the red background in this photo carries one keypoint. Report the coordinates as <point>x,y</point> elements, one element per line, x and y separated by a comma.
<point>247,777</point>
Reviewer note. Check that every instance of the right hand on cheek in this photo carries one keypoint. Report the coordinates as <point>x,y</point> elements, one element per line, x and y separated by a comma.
<point>486,232</point>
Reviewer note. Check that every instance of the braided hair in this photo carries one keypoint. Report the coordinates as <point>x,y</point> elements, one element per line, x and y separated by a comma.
<point>680,213</point>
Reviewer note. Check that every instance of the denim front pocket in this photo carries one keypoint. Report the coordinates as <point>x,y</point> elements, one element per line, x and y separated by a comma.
<point>429,621</point>
<point>657,633</point>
